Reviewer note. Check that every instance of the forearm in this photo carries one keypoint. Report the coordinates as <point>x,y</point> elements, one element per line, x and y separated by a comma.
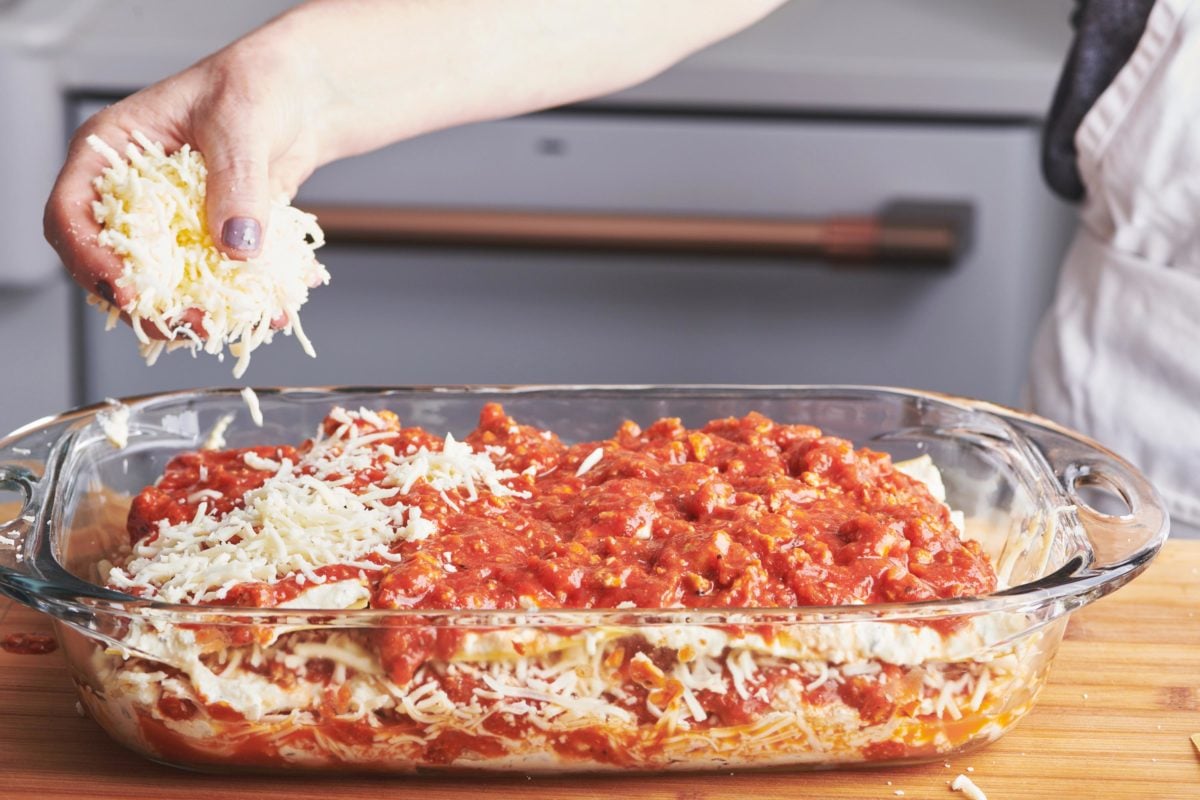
<point>333,78</point>
<point>385,70</point>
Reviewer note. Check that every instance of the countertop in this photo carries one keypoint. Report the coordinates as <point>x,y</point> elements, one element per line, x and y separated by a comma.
<point>1113,722</point>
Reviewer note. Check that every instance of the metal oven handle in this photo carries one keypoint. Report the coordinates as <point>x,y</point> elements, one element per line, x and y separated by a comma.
<point>902,232</point>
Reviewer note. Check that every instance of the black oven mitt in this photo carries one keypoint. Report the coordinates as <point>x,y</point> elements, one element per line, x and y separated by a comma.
<point>1106,33</point>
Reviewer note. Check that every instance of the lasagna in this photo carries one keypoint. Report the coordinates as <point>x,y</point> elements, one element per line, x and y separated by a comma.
<point>650,601</point>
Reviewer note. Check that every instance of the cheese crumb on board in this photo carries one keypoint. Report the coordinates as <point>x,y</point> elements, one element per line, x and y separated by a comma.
<point>252,403</point>
<point>151,208</point>
<point>1196,741</point>
<point>965,785</point>
<point>115,423</point>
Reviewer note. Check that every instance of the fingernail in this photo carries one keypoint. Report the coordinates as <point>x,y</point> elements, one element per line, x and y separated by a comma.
<point>105,290</point>
<point>241,233</point>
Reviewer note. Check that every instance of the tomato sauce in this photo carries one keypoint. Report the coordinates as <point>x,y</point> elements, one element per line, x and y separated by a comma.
<point>743,512</point>
<point>28,644</point>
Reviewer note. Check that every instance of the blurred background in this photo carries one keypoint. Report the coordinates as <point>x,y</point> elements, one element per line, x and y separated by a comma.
<point>841,123</point>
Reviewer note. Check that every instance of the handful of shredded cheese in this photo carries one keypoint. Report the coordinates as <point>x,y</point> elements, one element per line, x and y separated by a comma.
<point>152,211</point>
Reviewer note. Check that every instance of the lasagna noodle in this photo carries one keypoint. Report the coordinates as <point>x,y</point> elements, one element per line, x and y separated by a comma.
<point>576,701</point>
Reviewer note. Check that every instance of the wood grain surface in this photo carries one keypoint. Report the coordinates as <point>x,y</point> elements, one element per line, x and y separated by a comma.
<point>1113,722</point>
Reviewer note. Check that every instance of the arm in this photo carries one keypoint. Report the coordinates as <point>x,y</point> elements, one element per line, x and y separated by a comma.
<point>424,66</point>
<point>333,78</point>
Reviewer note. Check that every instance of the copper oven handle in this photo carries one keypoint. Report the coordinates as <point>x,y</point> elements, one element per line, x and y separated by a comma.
<point>903,231</point>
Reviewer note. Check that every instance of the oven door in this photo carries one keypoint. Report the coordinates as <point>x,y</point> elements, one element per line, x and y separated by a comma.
<point>751,285</point>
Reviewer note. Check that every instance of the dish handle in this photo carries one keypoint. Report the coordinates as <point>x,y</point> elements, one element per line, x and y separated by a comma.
<point>16,517</point>
<point>30,460</point>
<point>17,521</point>
<point>1122,514</point>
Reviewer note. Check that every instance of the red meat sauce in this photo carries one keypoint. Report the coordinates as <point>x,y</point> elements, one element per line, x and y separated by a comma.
<point>28,644</point>
<point>740,513</point>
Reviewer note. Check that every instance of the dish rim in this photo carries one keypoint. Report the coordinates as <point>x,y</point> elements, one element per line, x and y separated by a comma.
<point>1076,583</point>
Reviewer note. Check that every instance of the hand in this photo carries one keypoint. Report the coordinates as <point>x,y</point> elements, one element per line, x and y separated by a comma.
<point>334,78</point>
<point>243,109</point>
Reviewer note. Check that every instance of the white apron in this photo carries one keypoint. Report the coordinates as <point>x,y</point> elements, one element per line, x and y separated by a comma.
<point>1118,355</point>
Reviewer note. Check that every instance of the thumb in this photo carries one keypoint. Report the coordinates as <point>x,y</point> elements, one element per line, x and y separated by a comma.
<point>238,193</point>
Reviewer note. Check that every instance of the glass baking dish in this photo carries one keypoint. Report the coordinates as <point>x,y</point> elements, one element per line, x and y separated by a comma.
<point>537,690</point>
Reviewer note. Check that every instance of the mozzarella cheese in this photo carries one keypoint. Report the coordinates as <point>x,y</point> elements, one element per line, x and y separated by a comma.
<point>251,400</point>
<point>151,208</point>
<point>114,421</point>
<point>573,686</point>
<point>299,520</point>
<point>216,437</point>
<point>592,460</point>
<point>558,678</point>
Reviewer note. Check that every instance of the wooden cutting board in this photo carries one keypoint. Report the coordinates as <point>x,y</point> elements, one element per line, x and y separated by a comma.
<point>1113,722</point>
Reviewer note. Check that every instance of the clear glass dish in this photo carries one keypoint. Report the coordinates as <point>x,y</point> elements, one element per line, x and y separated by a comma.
<point>549,690</point>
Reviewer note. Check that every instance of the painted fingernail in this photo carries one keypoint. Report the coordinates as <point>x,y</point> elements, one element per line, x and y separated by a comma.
<point>105,291</point>
<point>241,233</point>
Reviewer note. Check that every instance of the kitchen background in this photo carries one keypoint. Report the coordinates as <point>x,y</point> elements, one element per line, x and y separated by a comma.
<point>828,108</point>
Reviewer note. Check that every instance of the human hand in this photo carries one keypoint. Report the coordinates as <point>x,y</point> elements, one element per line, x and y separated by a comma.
<point>246,109</point>
<point>334,78</point>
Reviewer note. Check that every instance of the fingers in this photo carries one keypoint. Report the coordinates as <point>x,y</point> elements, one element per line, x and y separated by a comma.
<point>238,202</point>
<point>194,319</point>
<point>72,230</point>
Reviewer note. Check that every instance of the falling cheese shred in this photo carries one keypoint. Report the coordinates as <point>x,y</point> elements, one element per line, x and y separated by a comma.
<point>255,409</point>
<point>114,421</point>
<point>216,437</point>
<point>151,208</point>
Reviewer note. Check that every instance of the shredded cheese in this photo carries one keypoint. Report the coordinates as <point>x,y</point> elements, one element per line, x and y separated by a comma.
<point>592,460</point>
<point>556,683</point>
<point>251,400</point>
<point>455,466</point>
<point>298,521</point>
<point>151,208</point>
<point>216,437</point>
<point>114,421</point>
<point>293,523</point>
<point>965,785</point>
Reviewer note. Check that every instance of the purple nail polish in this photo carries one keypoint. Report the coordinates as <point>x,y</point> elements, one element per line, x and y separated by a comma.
<point>241,233</point>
